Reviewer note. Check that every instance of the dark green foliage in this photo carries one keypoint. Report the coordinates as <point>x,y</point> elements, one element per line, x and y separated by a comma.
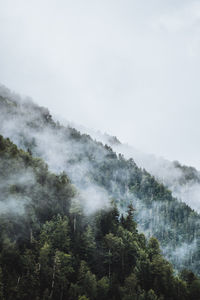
<point>157,213</point>
<point>51,250</point>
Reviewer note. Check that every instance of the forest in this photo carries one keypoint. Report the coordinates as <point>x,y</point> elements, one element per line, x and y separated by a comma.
<point>51,249</point>
<point>79,221</point>
<point>101,174</point>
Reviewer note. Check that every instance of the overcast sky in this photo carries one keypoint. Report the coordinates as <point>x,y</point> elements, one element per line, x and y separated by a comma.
<point>130,68</point>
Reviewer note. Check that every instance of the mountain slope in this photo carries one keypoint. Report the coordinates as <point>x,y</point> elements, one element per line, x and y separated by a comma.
<point>49,249</point>
<point>100,174</point>
<point>183,181</point>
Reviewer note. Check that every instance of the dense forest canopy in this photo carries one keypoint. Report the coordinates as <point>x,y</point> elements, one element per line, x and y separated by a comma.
<point>73,214</point>
<point>51,249</point>
<point>98,172</point>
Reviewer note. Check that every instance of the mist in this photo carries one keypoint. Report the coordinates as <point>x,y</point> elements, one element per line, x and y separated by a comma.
<point>172,174</point>
<point>128,71</point>
<point>97,177</point>
<point>27,128</point>
<point>132,67</point>
<point>12,201</point>
<point>185,187</point>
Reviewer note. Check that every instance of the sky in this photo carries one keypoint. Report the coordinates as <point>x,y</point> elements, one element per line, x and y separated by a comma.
<point>130,68</point>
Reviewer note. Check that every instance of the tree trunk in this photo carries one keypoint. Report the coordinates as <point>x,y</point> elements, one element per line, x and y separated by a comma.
<point>53,278</point>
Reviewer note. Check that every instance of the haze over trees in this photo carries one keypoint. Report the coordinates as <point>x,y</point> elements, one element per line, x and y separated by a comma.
<point>72,216</point>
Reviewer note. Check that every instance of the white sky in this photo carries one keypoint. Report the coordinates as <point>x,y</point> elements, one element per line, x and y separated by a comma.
<point>130,68</point>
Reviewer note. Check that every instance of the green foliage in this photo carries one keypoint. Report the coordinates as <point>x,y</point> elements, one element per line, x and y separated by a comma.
<point>173,223</point>
<point>83,298</point>
<point>56,233</point>
<point>103,288</point>
<point>51,250</point>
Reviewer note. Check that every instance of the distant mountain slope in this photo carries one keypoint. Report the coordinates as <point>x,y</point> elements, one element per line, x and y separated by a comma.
<point>99,173</point>
<point>183,181</point>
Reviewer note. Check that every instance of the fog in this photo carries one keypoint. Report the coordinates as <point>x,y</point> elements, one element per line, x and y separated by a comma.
<point>25,125</point>
<point>98,174</point>
<point>127,68</point>
<point>12,203</point>
<point>184,184</point>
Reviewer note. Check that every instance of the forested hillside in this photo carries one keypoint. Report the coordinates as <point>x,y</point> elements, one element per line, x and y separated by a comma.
<point>100,174</point>
<point>51,249</point>
<point>183,181</point>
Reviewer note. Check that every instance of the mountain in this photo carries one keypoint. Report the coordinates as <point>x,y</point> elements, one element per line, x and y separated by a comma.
<point>101,175</point>
<point>51,249</point>
<point>183,181</point>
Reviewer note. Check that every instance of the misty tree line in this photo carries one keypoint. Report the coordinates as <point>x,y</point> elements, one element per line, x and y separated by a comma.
<point>52,250</point>
<point>174,223</point>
